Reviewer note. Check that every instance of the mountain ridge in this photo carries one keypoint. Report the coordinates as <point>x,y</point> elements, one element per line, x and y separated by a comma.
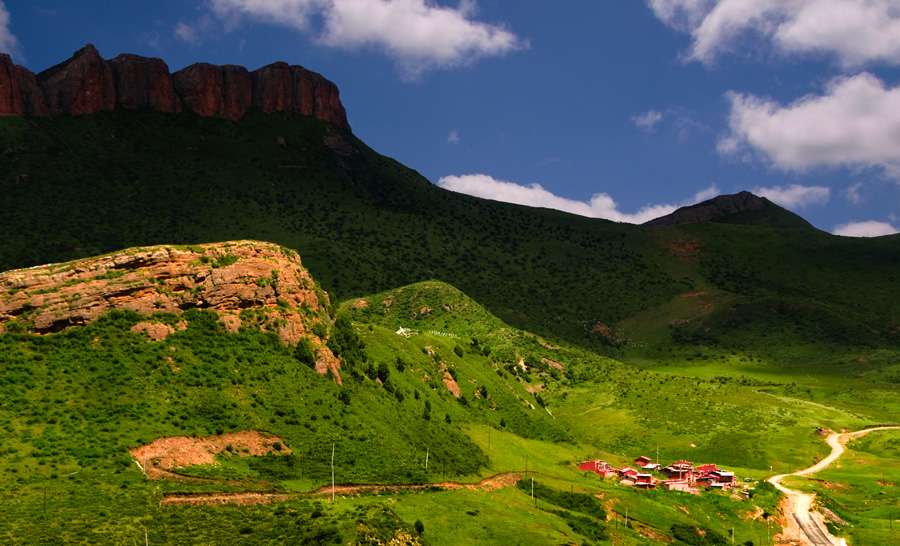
<point>87,83</point>
<point>740,208</point>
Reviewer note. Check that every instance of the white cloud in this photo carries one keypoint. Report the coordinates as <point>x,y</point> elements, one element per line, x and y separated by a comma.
<point>855,124</point>
<point>601,205</point>
<point>795,196</point>
<point>646,122</point>
<point>186,32</point>
<point>855,31</point>
<point>418,34</point>
<point>8,41</point>
<point>197,31</point>
<point>453,137</point>
<point>871,228</point>
<point>853,193</point>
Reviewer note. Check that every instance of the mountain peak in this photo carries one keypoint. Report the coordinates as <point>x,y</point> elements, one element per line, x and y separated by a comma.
<point>738,208</point>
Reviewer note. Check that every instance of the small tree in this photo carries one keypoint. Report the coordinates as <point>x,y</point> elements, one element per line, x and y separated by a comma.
<point>420,527</point>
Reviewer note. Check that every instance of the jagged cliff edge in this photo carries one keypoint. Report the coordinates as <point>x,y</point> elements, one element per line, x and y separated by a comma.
<point>88,83</point>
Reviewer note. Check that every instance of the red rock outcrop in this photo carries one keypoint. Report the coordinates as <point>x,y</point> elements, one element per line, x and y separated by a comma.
<point>280,87</point>
<point>211,90</point>
<point>273,88</point>
<point>80,85</point>
<point>87,83</point>
<point>227,278</point>
<point>143,82</point>
<point>34,102</point>
<point>10,93</point>
<point>237,90</point>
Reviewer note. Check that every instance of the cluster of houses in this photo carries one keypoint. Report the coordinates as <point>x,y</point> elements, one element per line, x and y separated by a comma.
<point>679,476</point>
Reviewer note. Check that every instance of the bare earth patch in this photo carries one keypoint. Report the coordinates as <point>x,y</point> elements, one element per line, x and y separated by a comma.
<point>156,330</point>
<point>451,384</point>
<point>549,362</point>
<point>168,454</point>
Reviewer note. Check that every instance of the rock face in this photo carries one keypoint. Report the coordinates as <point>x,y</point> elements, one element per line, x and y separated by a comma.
<point>711,210</point>
<point>211,90</point>
<point>143,82</point>
<point>87,83</point>
<point>10,94</point>
<point>279,87</point>
<point>34,103</point>
<point>80,85</point>
<point>227,278</point>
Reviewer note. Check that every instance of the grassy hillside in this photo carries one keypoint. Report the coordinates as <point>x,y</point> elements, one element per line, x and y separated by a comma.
<point>482,401</point>
<point>84,185</point>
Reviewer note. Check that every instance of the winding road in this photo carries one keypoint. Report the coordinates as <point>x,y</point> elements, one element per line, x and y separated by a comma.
<point>810,525</point>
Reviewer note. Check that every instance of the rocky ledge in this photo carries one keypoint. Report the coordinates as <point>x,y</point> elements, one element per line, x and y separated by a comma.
<point>247,283</point>
<point>88,83</point>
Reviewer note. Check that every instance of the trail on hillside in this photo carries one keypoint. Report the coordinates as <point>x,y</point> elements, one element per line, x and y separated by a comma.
<point>498,481</point>
<point>805,527</point>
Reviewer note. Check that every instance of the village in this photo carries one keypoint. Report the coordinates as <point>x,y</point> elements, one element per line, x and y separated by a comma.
<point>679,476</point>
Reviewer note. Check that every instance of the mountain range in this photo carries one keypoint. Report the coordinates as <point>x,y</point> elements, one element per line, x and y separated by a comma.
<point>431,346</point>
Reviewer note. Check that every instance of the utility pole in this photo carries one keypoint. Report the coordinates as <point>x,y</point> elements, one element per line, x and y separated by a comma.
<point>626,518</point>
<point>427,450</point>
<point>532,493</point>
<point>332,473</point>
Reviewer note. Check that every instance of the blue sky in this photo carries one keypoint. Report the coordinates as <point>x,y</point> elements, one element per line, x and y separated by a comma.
<point>618,109</point>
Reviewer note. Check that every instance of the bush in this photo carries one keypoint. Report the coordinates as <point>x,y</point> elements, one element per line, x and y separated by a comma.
<point>305,353</point>
<point>420,527</point>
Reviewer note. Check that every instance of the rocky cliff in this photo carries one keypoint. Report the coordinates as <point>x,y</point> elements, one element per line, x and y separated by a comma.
<point>88,83</point>
<point>248,284</point>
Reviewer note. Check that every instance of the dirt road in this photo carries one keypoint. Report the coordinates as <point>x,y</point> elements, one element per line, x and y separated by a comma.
<point>804,527</point>
<point>505,479</point>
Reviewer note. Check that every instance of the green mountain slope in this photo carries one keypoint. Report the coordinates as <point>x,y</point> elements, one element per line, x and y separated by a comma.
<point>479,400</point>
<point>78,186</point>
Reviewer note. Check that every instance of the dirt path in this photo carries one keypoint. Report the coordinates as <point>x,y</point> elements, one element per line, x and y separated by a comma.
<point>804,527</point>
<point>505,479</point>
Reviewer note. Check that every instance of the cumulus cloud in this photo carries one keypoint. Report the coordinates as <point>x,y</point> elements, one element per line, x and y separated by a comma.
<point>8,41</point>
<point>418,34</point>
<point>795,196</point>
<point>601,205</point>
<point>855,124</point>
<point>647,121</point>
<point>453,137</point>
<point>871,228</point>
<point>854,31</point>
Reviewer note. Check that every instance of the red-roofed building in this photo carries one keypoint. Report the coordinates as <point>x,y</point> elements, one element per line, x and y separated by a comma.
<point>600,467</point>
<point>680,471</point>
<point>642,461</point>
